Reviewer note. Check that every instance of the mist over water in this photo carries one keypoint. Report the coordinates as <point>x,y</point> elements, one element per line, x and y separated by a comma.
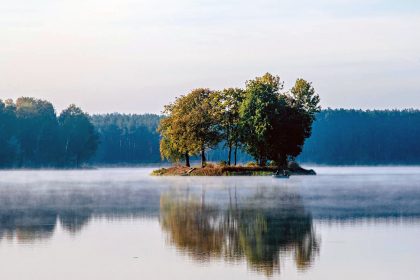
<point>225,227</point>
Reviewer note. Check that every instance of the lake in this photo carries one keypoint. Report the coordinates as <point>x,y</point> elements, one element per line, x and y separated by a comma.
<point>344,223</point>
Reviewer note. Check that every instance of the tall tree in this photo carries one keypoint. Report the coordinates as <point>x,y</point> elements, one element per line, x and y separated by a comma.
<point>79,135</point>
<point>226,105</point>
<point>263,101</point>
<point>176,141</point>
<point>37,132</point>
<point>190,126</point>
<point>202,126</point>
<point>304,98</point>
<point>276,124</point>
<point>303,106</point>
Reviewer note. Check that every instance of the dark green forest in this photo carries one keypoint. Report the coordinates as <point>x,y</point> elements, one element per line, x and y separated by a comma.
<point>32,135</point>
<point>339,137</point>
<point>364,137</point>
<point>127,139</point>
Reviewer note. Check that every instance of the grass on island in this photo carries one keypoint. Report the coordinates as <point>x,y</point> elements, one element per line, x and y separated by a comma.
<point>224,170</point>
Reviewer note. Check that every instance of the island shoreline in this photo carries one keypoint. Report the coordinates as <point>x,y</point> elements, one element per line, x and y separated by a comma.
<point>221,170</point>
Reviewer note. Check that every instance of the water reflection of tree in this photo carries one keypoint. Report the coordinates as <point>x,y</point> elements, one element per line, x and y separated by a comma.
<point>253,232</point>
<point>193,227</point>
<point>74,220</point>
<point>27,226</point>
<point>30,214</point>
<point>36,225</point>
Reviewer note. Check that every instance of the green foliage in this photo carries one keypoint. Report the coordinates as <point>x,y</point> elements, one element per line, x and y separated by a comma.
<point>202,125</point>
<point>276,124</point>
<point>175,141</point>
<point>190,126</point>
<point>260,112</point>
<point>354,137</point>
<point>32,136</point>
<point>226,105</point>
<point>304,98</point>
<point>270,124</point>
<point>338,137</point>
<point>265,122</point>
<point>38,132</point>
<point>80,138</point>
<point>126,138</point>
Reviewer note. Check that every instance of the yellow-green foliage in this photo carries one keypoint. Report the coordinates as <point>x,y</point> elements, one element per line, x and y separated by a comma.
<point>269,123</point>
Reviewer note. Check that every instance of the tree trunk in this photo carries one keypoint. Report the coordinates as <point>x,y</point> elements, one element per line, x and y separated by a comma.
<point>282,162</point>
<point>263,155</point>
<point>229,144</point>
<point>236,152</point>
<point>187,159</point>
<point>263,161</point>
<point>203,157</point>
<point>229,154</point>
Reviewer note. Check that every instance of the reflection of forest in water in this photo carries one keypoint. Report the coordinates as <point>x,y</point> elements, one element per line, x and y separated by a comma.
<point>261,221</point>
<point>260,229</point>
<point>32,215</point>
<point>32,225</point>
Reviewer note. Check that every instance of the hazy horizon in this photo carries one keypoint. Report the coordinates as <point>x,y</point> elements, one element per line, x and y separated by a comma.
<point>135,56</point>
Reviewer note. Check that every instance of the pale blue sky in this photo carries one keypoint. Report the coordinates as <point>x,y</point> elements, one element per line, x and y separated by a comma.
<point>135,56</point>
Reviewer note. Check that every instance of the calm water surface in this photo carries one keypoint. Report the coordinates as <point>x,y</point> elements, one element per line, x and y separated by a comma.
<point>345,223</point>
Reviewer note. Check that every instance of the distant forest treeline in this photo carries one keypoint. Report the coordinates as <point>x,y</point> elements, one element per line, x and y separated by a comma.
<point>339,137</point>
<point>127,139</point>
<point>364,137</point>
<point>32,135</point>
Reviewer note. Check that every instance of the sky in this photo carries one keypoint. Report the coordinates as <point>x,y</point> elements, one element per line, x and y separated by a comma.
<point>134,56</point>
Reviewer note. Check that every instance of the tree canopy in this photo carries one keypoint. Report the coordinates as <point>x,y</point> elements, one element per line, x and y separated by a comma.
<point>270,124</point>
<point>31,135</point>
<point>126,139</point>
<point>190,126</point>
<point>226,104</point>
<point>79,136</point>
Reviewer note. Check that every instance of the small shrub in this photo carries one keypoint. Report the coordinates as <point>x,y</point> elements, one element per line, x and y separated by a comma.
<point>159,172</point>
<point>251,164</point>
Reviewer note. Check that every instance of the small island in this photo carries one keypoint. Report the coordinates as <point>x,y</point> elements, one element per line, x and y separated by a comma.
<point>224,170</point>
<point>264,120</point>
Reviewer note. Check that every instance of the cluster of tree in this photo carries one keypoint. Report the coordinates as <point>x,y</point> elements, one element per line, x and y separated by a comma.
<point>267,122</point>
<point>31,135</point>
<point>127,139</point>
<point>364,137</point>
